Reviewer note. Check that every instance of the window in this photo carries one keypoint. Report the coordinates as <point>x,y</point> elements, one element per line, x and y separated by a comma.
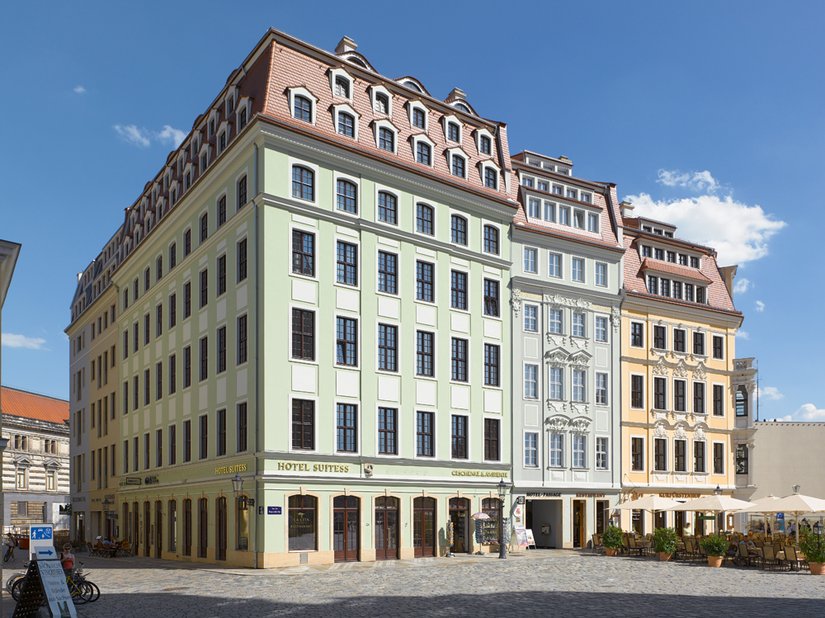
<point>381,103</point>
<point>387,272</point>
<point>550,211</point>
<point>677,289</point>
<point>592,222</point>
<point>531,381</point>
<point>425,353</point>
<point>491,297</point>
<point>204,368</point>
<point>146,386</point>
<point>158,320</point>
<point>423,152</point>
<point>346,196</point>
<point>679,338</point>
<point>173,315</point>
<point>660,393</point>
<point>221,210</point>
<point>718,400</point>
<point>534,208</point>
<point>303,334</point>
<point>419,118</point>
<point>491,439</point>
<point>302,108</point>
<point>203,445</point>
<point>346,342</point>
<point>579,450</point>
<point>173,382</point>
<point>531,318</point>
<point>303,253</point>
<point>577,269</point>
<point>173,258</point>
<point>303,523</point>
<point>425,434</point>
<point>491,177</point>
<point>221,432</point>
<point>159,268</point>
<point>187,366</point>
<point>342,86</point>
<point>556,384</point>
<point>530,259</point>
<point>146,322</point>
<point>555,321</point>
<point>659,254</point>
<point>664,285</point>
<point>424,286</point>
<point>386,139</point>
<point>637,388</point>
<point>458,290</point>
<point>241,335</point>
<point>204,288</point>
<point>347,263</point>
<point>242,427</point>
<point>459,437</point>
<point>601,453</point>
<point>694,262</point>
<point>637,338</point>
<point>699,456</point>
<point>741,459</point>
<point>637,454</point>
<point>346,124</point>
<point>458,166</point>
<point>564,215</point>
<point>387,347</point>
<point>680,455</point>
<point>718,458</point>
<point>241,191</point>
<point>652,284</point>
<point>303,424</point>
<point>459,359</point>
<point>187,441</point>
<point>346,419</point>
<point>204,227</point>
<point>741,401</point>
<point>601,274</point>
<point>458,230</point>
<point>303,183</point>
<point>424,219</point>
<point>491,365</point>
<point>387,208</point>
<point>718,347</point>
<point>453,132</point>
<point>689,287</point>
<point>601,329</point>
<point>387,424</point>
<point>660,337</point>
<point>679,395</point>
<point>554,265</point>
<point>698,397</point>
<point>601,389</point>
<point>485,144</point>
<point>577,324</point>
<point>579,386</point>
<point>531,449</point>
<point>699,344</point>
<point>491,239</point>
<point>660,454</point>
<point>556,450</point>
<point>221,274</point>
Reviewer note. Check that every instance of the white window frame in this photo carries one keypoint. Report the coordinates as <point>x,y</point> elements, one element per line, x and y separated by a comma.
<point>578,392</point>
<point>483,166</point>
<point>553,462</point>
<point>346,107</point>
<point>573,261</point>
<point>375,89</point>
<point>644,392</point>
<point>291,163</point>
<point>605,376</point>
<point>712,458</point>
<point>533,392</point>
<point>596,266</point>
<point>534,449</point>
<point>416,139</point>
<point>455,152</point>
<point>549,207</point>
<point>535,259</point>
<point>300,90</point>
<point>486,133</point>
<point>536,318</point>
<point>445,120</point>
<point>531,201</point>
<point>385,124</point>
<point>550,273</point>
<point>560,321</point>
<point>551,384</point>
<point>578,448</point>
<point>315,423</point>
<point>596,329</point>
<point>420,106</point>
<point>333,75</point>
<point>605,453</point>
<point>578,320</point>
<point>644,454</point>
<point>356,181</point>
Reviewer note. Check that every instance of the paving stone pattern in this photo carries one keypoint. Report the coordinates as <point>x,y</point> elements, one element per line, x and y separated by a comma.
<point>538,583</point>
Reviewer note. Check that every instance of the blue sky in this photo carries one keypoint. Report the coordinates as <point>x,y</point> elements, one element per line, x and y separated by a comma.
<point>708,114</point>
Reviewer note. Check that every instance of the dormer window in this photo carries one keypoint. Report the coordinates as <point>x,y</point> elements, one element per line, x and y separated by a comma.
<point>221,142</point>
<point>558,190</point>
<point>342,87</point>
<point>462,107</point>
<point>490,177</point>
<point>419,118</point>
<point>585,197</point>
<point>485,144</point>
<point>385,136</point>
<point>453,132</point>
<point>572,193</point>
<point>658,254</point>
<point>242,120</point>
<point>694,262</point>
<point>423,152</point>
<point>346,124</point>
<point>381,103</point>
<point>302,108</point>
<point>593,222</point>
<point>211,127</point>
<point>458,166</point>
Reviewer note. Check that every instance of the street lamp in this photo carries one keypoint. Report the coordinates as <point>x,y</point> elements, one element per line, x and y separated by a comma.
<point>796,488</point>
<point>106,504</point>
<point>502,546</point>
<point>237,484</point>
<point>717,491</point>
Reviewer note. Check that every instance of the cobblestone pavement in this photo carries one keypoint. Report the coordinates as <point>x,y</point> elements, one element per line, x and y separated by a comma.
<point>539,583</point>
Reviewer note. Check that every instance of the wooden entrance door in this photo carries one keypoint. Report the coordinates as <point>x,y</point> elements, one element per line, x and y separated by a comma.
<point>345,528</point>
<point>424,527</point>
<point>579,526</point>
<point>158,528</point>
<point>220,529</point>
<point>460,518</point>
<point>386,528</point>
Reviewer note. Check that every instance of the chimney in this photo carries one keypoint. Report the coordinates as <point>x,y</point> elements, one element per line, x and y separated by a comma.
<point>346,44</point>
<point>728,273</point>
<point>625,208</point>
<point>565,158</point>
<point>456,94</point>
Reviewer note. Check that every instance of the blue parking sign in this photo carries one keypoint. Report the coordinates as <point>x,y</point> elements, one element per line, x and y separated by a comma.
<point>40,533</point>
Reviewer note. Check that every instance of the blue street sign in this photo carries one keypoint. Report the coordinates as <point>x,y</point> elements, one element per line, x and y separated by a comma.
<point>40,533</point>
<point>46,552</point>
<point>273,510</point>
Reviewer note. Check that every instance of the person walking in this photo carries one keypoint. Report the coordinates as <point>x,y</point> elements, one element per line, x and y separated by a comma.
<point>9,543</point>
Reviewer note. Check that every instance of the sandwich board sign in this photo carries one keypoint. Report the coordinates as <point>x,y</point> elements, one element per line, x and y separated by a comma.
<point>40,536</point>
<point>53,580</point>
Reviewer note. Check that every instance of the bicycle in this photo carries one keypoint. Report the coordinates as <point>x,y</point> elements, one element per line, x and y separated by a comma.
<point>80,589</point>
<point>9,553</point>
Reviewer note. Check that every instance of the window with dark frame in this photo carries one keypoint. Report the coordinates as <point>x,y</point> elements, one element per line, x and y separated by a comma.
<point>346,420</point>
<point>718,458</point>
<point>303,523</point>
<point>458,438</point>
<point>637,385</point>
<point>458,230</point>
<point>387,272</point>
<point>491,239</point>
<point>458,166</point>
<point>699,344</point>
<point>386,139</point>
<point>387,208</point>
<point>187,366</point>
<point>346,194</point>
<point>423,153</point>
<point>303,253</point>
<point>425,281</point>
<point>241,257</point>
<point>346,124</point>
<point>679,340</point>
<point>301,108</point>
<point>424,219</point>
<point>303,424</point>
<point>204,288</point>
<point>660,337</point>
<point>221,276</point>
<point>679,395</point>
<point>699,456</point>
<point>637,335</point>
<point>459,359</point>
<point>347,263</point>
<point>718,347</point>
<point>637,454</point>
<point>221,432</point>
<point>491,297</point>
<point>221,350</point>
<point>425,353</point>
<point>346,341</point>
<point>660,454</point>
<point>204,358</point>
<point>173,380</point>
<point>303,334</point>
<point>387,428</point>
<point>491,439</point>
<point>242,340</point>
<point>419,119</point>
<point>491,178</point>
<point>303,183</point>
<point>204,227</point>
<point>221,210</point>
<point>203,436</point>
<point>485,145</point>
<point>387,347</point>
<point>173,310</point>
<point>242,427</point>
<point>698,397</point>
<point>718,400</point>
<point>425,434</point>
<point>187,441</point>
<point>491,365</point>
<point>660,393</point>
<point>680,455</point>
<point>458,290</point>
<point>187,299</point>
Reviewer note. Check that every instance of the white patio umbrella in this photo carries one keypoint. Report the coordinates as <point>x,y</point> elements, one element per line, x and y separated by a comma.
<point>796,504</point>
<point>712,504</point>
<point>648,503</point>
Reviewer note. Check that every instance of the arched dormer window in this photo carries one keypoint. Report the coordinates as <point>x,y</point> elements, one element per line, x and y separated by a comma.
<point>302,104</point>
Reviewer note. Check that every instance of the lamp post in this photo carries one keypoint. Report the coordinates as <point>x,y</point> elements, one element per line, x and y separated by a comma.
<point>237,484</point>
<point>4,442</point>
<point>106,504</point>
<point>717,491</point>
<point>502,545</point>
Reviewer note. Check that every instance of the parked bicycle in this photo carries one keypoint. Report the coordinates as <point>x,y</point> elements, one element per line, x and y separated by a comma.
<point>81,589</point>
<point>10,543</point>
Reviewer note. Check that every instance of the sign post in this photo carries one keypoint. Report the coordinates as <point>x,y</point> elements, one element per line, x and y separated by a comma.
<point>40,536</point>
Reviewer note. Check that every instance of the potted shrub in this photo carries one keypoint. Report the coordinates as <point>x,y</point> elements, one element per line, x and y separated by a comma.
<point>664,542</point>
<point>813,546</point>
<point>715,546</point>
<point>612,540</point>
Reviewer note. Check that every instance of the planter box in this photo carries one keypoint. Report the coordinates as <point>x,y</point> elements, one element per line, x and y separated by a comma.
<point>715,561</point>
<point>817,568</point>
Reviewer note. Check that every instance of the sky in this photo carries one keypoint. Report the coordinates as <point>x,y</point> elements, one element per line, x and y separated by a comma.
<point>709,115</point>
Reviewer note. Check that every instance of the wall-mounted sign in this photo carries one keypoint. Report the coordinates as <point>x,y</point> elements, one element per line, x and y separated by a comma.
<point>544,494</point>
<point>231,469</point>
<point>273,510</point>
<point>482,473</point>
<point>294,466</point>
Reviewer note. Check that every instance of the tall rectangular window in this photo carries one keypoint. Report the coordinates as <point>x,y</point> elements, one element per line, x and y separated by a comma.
<point>531,381</point>
<point>187,366</point>
<point>718,400</point>
<point>204,288</point>
<point>425,434</point>
<point>387,272</point>
<point>458,437</point>
<point>679,343</point>
<point>303,424</point>
<point>554,265</point>
<point>578,324</point>
<point>660,337</point>
<point>303,334</point>
<point>173,446</point>
<point>660,393</point>
<point>387,208</point>
<point>303,253</point>
<point>490,240</point>
<point>577,269</point>
<point>145,451</point>
<point>491,439</point>
<point>187,299</point>
<point>556,383</point>
<point>159,448</point>
<point>458,289</point>
<point>601,389</point>
<point>187,441</point>
<point>680,455</point>
<point>203,442</point>
<point>221,282</point>
<point>637,337</point>
<point>579,385</point>
<point>531,256</point>
<point>387,347</point>
<point>491,297</point>
<point>601,453</point>
<point>718,347</point>
<point>221,210</point>
<point>660,454</point>
<point>221,351</point>
<point>159,320</point>
<point>146,387</point>
<point>347,263</point>
<point>242,198</point>
<point>601,274</point>
<point>424,215</point>
<point>699,456</point>
<point>679,395</point>
<point>204,359</point>
<point>637,454</point>
<point>425,353</point>
<point>242,428</point>
<point>346,341</point>
<point>424,281</point>
<point>173,255</point>
<point>387,431</point>
<point>458,230</point>
<point>187,242</point>
<point>556,450</point>
<point>718,458</point>
<point>221,432</point>
<point>158,381</point>
<point>173,310</point>
<point>531,449</point>
<point>637,391</point>
<point>241,259</point>
<point>698,397</point>
<point>459,359</point>
<point>146,335</point>
<point>491,365</point>
<point>699,344</point>
<point>555,321</point>
<point>242,338</point>
<point>531,318</point>
<point>579,451</point>
<point>601,329</point>
<point>742,466</point>
<point>346,427</point>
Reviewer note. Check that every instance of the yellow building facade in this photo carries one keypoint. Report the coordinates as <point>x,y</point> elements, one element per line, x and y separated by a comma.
<point>678,345</point>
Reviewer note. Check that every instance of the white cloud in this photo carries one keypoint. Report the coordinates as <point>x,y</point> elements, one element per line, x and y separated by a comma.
<point>171,135</point>
<point>138,136</point>
<point>760,306</point>
<point>741,286</point>
<point>743,334</point>
<point>695,181</point>
<point>739,232</point>
<point>12,340</point>
<point>79,89</point>
<point>133,135</point>
<point>807,412</point>
<point>771,392</point>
